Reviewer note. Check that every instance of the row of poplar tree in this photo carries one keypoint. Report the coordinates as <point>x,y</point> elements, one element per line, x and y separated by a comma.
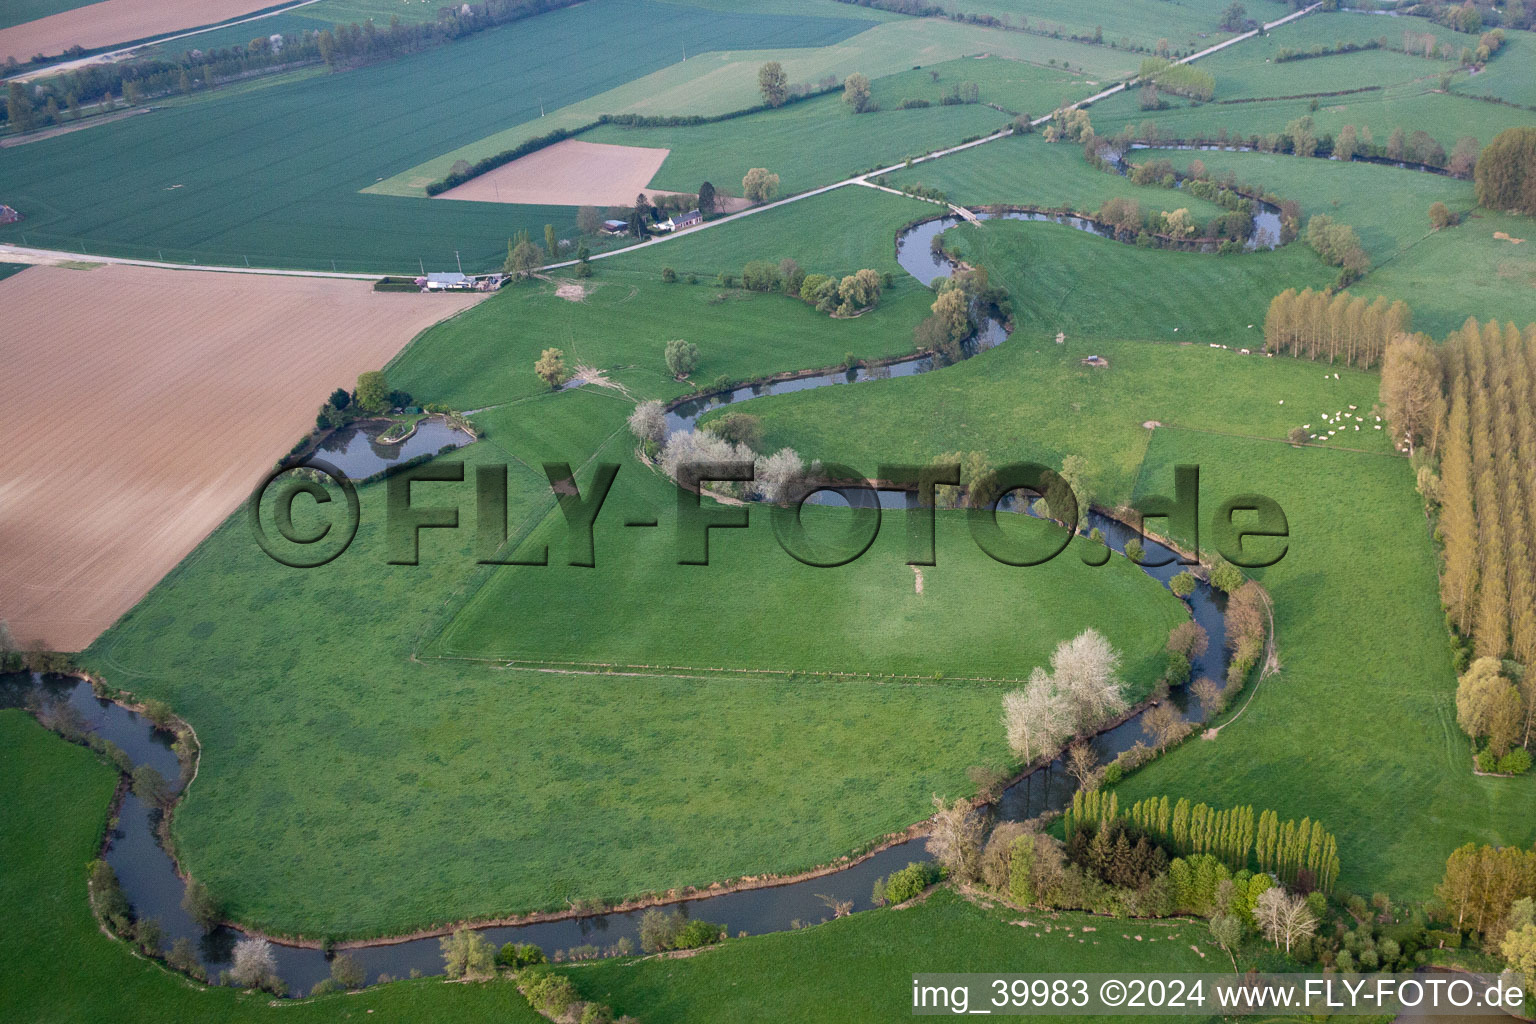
<point>1334,326</point>
<point>1292,851</point>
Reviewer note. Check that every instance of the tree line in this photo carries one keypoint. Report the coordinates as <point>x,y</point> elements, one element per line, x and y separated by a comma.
<point>1301,853</point>
<point>1337,327</point>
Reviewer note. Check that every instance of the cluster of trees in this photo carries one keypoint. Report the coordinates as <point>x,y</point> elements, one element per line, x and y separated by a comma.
<point>759,185</point>
<point>959,301</point>
<point>662,930</point>
<point>846,296</point>
<point>1485,444</point>
<point>371,396</point>
<point>1179,79</point>
<point>1300,853</point>
<point>1339,246</point>
<point>1338,327</point>
<point>1483,883</point>
<point>1506,171</point>
<point>1071,125</point>
<point>731,438</point>
<point>1247,613</point>
<point>1129,222</point>
<point>1497,700</point>
<point>1079,694</point>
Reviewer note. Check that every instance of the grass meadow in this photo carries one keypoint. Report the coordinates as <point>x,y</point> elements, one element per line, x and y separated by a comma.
<point>1016,85</point>
<point>1358,728</point>
<point>1187,26</point>
<point>406,789</point>
<point>53,818</point>
<point>1062,279</point>
<point>858,968</point>
<point>1026,169</point>
<point>1032,399</point>
<point>814,142</point>
<point>1507,77</point>
<point>1443,275</point>
<point>193,182</point>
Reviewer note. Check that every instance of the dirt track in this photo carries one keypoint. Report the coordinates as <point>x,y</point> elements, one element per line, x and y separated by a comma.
<point>117,21</point>
<point>142,407</point>
<point>569,173</point>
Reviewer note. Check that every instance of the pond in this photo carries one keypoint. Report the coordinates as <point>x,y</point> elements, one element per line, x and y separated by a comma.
<point>357,453</point>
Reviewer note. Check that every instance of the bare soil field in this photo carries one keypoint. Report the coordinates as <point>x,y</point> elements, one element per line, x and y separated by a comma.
<point>117,21</point>
<point>143,406</point>
<point>569,173</point>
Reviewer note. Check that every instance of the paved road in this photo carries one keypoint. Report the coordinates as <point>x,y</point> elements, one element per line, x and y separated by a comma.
<point>44,255</point>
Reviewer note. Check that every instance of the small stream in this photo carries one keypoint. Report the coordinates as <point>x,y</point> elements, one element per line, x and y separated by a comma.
<point>151,884</point>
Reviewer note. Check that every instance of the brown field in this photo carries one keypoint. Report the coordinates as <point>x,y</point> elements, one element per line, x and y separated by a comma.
<point>117,21</point>
<point>569,173</point>
<point>142,405</point>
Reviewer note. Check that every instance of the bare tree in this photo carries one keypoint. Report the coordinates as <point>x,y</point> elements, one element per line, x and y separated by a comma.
<point>839,908</point>
<point>1037,717</point>
<point>1083,765</point>
<point>1208,694</point>
<point>1283,917</point>
<point>955,841</point>
<point>1087,669</point>
<point>776,476</point>
<point>254,963</point>
<point>1164,725</point>
<point>649,422</point>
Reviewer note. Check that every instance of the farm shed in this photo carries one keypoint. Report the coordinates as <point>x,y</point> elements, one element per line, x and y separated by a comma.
<point>448,282</point>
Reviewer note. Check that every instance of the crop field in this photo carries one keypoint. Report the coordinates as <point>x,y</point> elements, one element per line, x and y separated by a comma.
<point>842,970</point>
<point>806,144</point>
<point>569,173</point>
<point>61,25</point>
<point>242,361</point>
<point>52,821</point>
<point>1027,170</point>
<point>19,12</point>
<point>718,82</point>
<point>1363,708</point>
<point>202,188</point>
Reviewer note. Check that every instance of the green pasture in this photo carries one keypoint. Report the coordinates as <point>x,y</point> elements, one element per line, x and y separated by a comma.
<point>1188,26</point>
<point>195,182</point>
<point>1015,85</point>
<point>1358,729</point>
<point>1410,106</point>
<point>437,770</point>
<point>1445,275</point>
<point>815,142</point>
<point>1026,169</point>
<point>61,968</point>
<point>1387,206</point>
<point>1507,77</point>
<point>725,80</point>
<point>486,356</point>
<point>859,968</point>
<point>1071,281</point>
<point>859,618</point>
<point>1032,399</point>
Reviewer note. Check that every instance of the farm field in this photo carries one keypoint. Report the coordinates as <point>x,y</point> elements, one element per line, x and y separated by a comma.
<point>1027,170</point>
<point>842,970</point>
<point>807,144</point>
<point>1507,78</point>
<point>297,189</point>
<point>52,825</point>
<point>718,82</point>
<point>59,26</point>
<point>241,360</point>
<point>22,11</point>
<point>569,173</point>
